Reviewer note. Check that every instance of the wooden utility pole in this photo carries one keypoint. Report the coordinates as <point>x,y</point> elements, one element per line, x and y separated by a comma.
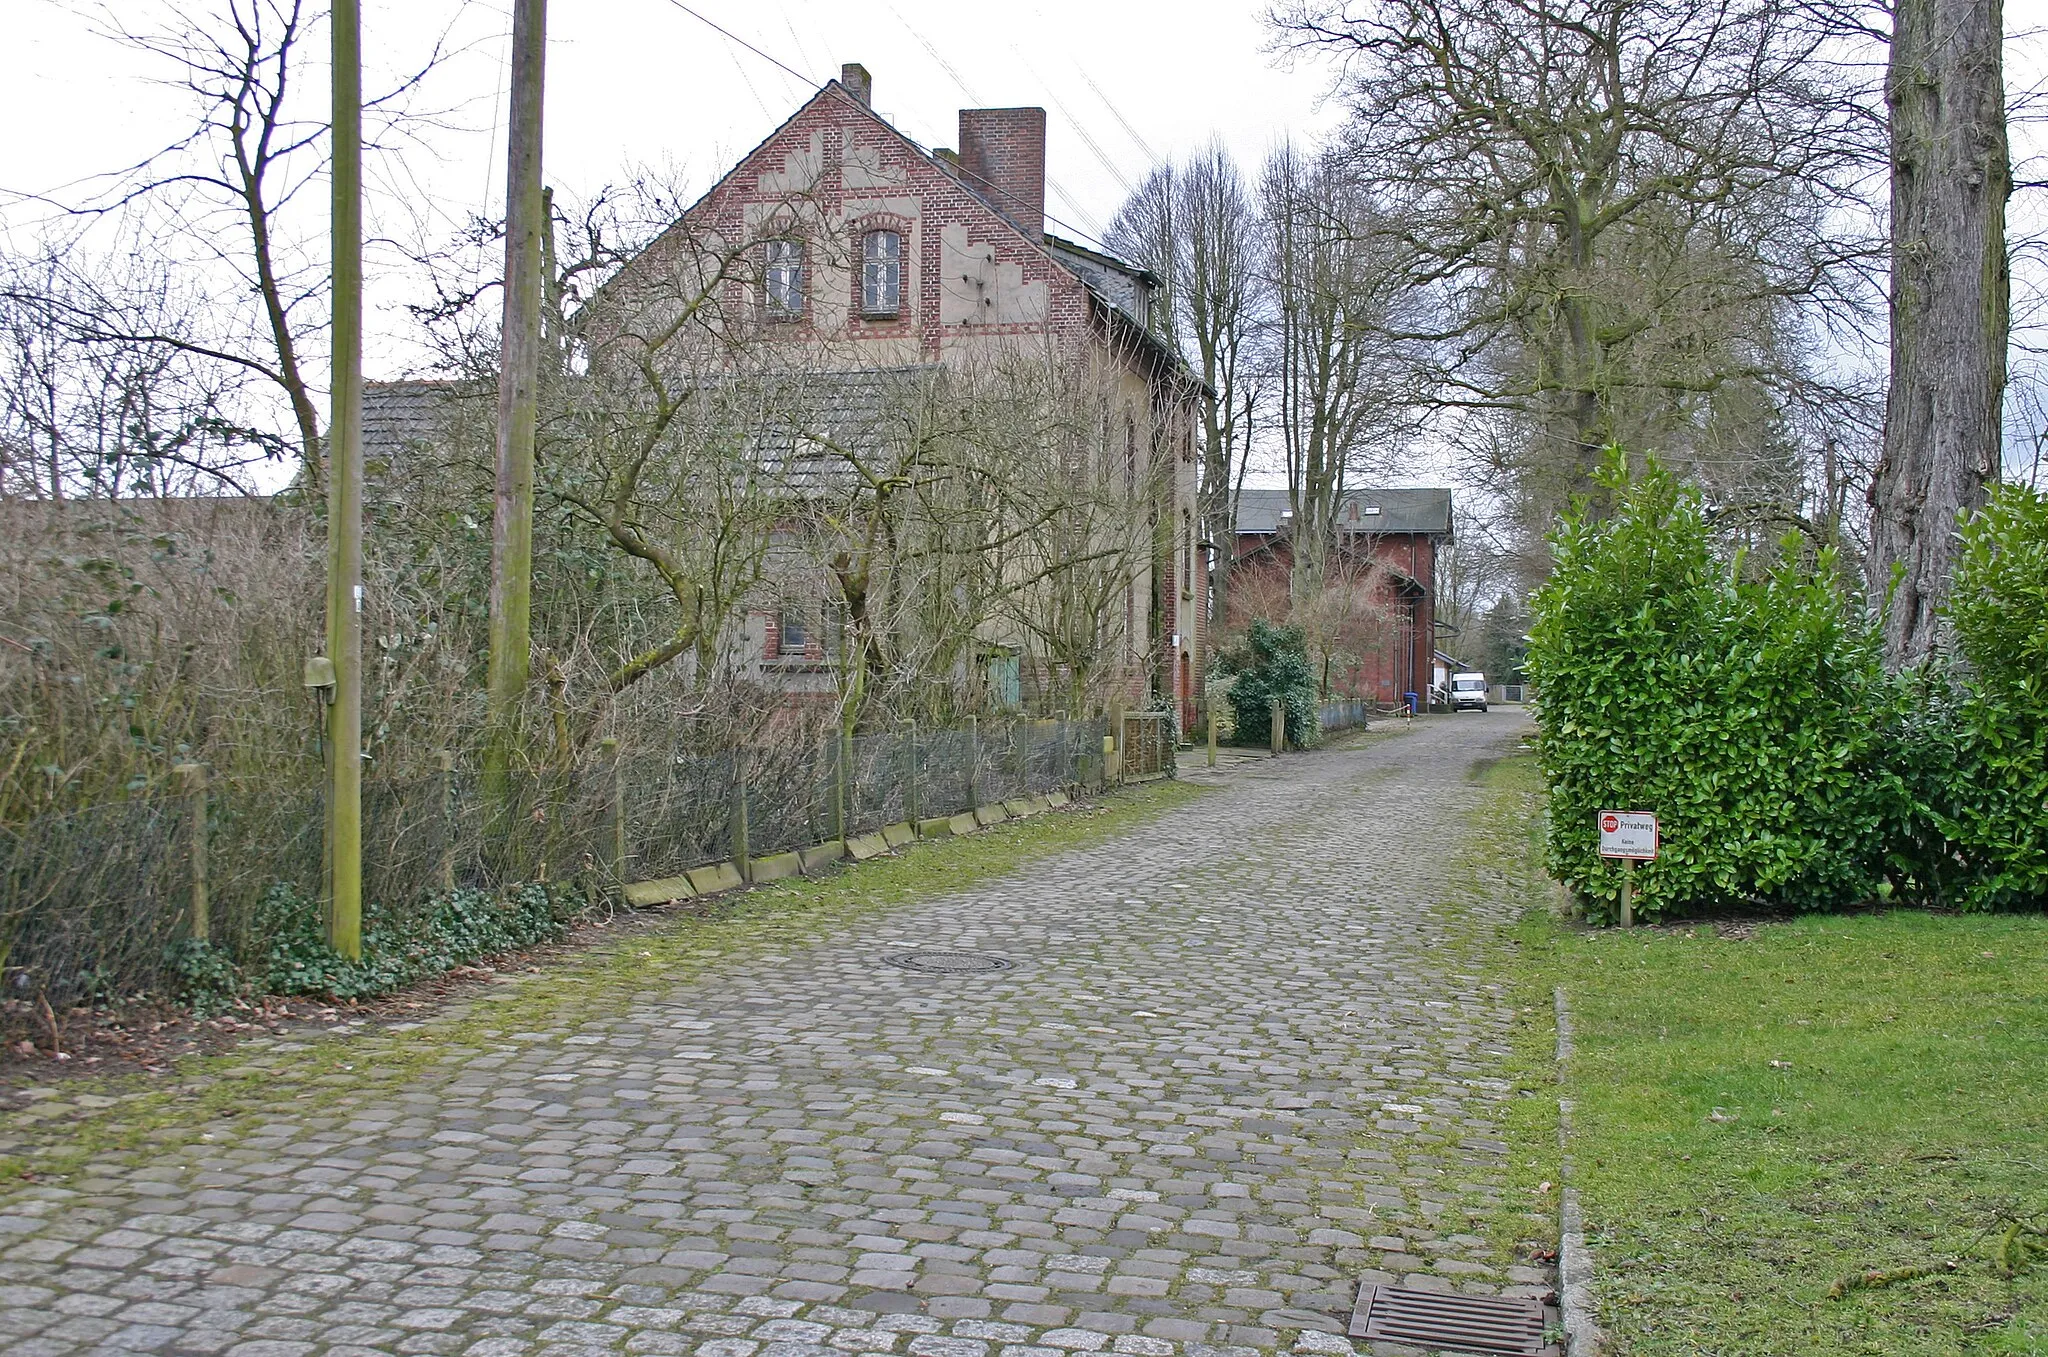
<point>518,412</point>
<point>345,499</point>
<point>1950,305</point>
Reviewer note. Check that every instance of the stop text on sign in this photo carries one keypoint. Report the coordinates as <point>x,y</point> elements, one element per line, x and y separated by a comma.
<point>1627,834</point>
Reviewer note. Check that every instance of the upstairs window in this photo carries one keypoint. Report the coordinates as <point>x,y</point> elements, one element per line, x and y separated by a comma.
<point>784,280</point>
<point>793,633</point>
<point>881,274</point>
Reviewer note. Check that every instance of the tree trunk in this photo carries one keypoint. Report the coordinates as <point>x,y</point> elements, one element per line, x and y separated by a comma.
<point>1949,306</point>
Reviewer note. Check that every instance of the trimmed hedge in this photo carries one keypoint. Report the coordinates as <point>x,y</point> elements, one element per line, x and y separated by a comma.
<point>1750,711</point>
<point>1985,787</point>
<point>1737,708</point>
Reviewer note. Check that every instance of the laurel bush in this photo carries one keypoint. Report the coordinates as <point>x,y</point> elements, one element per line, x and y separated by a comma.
<point>1746,707</point>
<point>1985,788</point>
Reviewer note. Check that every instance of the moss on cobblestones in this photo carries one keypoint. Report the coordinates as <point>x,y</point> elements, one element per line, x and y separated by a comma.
<point>1243,1055</point>
<point>1500,863</point>
<point>93,1124</point>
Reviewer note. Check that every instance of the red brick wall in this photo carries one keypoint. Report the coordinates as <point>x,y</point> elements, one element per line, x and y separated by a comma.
<point>1398,656</point>
<point>1008,144</point>
<point>1002,154</point>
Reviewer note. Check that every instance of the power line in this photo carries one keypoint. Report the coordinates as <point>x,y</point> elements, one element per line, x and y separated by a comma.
<point>734,37</point>
<point>1117,113</point>
<point>1091,236</point>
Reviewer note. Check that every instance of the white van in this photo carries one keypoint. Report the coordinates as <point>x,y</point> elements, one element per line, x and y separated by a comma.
<point>1468,690</point>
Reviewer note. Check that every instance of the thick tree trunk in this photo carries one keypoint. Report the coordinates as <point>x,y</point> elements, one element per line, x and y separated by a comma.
<point>1949,308</point>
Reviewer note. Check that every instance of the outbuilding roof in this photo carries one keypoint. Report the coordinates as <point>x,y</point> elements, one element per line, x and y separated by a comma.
<point>1387,510</point>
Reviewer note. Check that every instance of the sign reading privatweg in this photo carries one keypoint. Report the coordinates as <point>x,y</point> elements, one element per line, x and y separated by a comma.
<point>1627,834</point>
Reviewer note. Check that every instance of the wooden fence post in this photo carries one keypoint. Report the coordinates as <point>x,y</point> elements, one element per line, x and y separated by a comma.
<point>740,857</point>
<point>1212,732</point>
<point>973,762</point>
<point>193,776</point>
<point>910,808</point>
<point>838,785</point>
<point>610,750</point>
<point>1279,725</point>
<point>445,873</point>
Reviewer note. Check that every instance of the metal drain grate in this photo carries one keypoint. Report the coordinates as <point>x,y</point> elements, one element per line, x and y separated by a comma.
<point>949,963</point>
<point>1455,1323</point>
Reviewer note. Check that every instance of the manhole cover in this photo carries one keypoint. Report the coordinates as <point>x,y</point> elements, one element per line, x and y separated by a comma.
<point>1454,1322</point>
<point>949,963</point>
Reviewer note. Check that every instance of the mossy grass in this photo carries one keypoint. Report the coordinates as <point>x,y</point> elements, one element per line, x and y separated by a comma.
<point>219,1097</point>
<point>1763,1112</point>
<point>1501,860</point>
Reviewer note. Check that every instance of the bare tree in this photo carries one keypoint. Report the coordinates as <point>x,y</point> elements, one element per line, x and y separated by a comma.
<point>1950,306</point>
<point>224,199</point>
<point>1195,226</point>
<point>88,416</point>
<point>1339,379</point>
<point>1614,211</point>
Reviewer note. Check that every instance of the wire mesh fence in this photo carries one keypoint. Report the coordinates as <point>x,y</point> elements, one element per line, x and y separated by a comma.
<point>92,901</point>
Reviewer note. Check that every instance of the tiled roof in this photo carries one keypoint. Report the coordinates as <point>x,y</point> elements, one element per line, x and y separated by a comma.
<point>1410,510</point>
<point>808,423</point>
<point>401,417</point>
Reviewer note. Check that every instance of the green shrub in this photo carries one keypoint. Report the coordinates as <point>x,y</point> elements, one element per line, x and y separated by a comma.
<point>1986,781</point>
<point>450,929</point>
<point>208,980</point>
<point>1745,712</point>
<point>1273,663</point>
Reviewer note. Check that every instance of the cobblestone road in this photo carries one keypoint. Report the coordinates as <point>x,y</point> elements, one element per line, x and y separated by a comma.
<point>1228,1074</point>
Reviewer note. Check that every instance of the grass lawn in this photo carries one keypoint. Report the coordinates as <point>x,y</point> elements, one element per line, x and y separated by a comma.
<point>1760,1116</point>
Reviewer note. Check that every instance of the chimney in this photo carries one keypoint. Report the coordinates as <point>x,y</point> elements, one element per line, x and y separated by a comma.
<point>1002,158</point>
<point>857,82</point>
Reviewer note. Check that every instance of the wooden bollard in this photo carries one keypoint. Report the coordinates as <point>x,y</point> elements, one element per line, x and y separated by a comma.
<point>446,873</point>
<point>740,857</point>
<point>610,748</point>
<point>193,778</point>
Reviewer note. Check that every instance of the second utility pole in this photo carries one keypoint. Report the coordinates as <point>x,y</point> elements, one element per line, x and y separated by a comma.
<point>518,413</point>
<point>344,904</point>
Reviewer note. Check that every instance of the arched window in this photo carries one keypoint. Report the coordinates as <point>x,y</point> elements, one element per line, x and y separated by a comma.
<point>783,281</point>
<point>881,274</point>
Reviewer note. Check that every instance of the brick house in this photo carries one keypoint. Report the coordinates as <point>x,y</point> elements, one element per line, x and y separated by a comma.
<point>1385,555</point>
<point>872,255</point>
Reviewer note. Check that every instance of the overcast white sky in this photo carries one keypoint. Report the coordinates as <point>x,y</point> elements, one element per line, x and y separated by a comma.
<point>642,82</point>
<point>637,83</point>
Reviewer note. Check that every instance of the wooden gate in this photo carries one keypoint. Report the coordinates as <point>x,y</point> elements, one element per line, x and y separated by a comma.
<point>1144,745</point>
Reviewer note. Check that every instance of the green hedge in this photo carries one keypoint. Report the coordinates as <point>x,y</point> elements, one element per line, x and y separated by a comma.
<point>1983,765</point>
<point>1749,710</point>
<point>1736,704</point>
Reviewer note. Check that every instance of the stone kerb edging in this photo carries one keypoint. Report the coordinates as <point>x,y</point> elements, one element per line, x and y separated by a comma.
<point>1574,1260</point>
<point>717,877</point>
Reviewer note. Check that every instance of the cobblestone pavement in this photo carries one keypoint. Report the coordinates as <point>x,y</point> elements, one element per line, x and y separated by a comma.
<point>1230,1072</point>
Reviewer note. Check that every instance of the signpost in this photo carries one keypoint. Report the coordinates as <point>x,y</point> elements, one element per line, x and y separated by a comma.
<point>1630,835</point>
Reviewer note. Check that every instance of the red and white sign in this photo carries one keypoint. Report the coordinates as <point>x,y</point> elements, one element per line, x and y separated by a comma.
<point>1628,834</point>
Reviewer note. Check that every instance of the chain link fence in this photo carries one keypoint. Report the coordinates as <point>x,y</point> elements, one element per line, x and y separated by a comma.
<point>92,901</point>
